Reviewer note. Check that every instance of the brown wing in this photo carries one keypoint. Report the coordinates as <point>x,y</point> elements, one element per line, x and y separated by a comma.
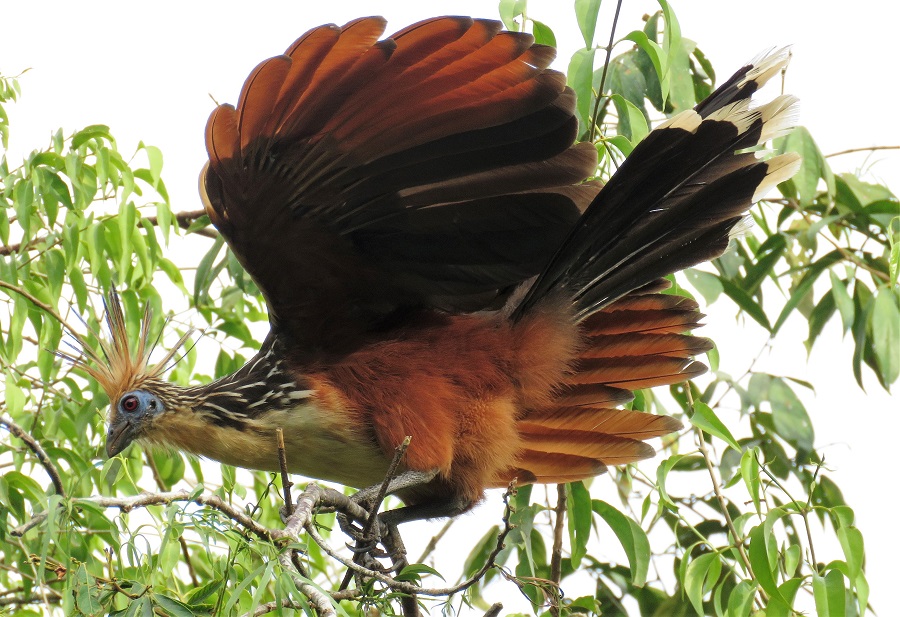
<point>357,178</point>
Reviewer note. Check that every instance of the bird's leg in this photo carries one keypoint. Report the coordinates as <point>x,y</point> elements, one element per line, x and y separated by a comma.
<point>370,499</point>
<point>418,512</point>
<point>408,479</point>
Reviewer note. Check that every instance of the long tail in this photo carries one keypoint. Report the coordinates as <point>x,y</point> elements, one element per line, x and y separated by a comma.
<point>677,198</point>
<point>674,203</point>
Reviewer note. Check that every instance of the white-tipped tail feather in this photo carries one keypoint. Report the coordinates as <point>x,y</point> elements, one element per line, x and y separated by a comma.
<point>678,198</point>
<point>780,168</point>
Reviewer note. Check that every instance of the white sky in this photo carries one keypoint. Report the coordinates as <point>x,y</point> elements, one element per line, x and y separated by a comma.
<point>148,71</point>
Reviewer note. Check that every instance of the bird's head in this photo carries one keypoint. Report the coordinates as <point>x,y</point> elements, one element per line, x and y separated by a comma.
<point>136,392</point>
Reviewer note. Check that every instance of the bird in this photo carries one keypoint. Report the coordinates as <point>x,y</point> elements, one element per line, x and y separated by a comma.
<point>438,264</point>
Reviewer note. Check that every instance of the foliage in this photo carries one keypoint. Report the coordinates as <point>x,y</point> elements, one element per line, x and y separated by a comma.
<point>723,527</point>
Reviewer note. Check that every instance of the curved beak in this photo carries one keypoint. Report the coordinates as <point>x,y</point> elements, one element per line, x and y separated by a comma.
<point>120,435</point>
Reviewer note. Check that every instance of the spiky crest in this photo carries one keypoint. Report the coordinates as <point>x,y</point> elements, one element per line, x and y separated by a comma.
<point>115,366</point>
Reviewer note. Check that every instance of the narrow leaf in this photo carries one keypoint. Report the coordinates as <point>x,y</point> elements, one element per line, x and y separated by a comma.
<point>632,537</point>
<point>586,13</point>
<point>705,419</point>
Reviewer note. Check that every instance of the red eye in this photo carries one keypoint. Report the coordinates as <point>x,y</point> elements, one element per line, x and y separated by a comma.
<point>130,403</point>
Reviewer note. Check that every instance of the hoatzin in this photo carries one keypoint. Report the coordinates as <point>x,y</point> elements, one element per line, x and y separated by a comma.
<point>414,211</point>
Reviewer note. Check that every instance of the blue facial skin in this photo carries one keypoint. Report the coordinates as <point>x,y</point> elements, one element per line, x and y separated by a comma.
<point>133,410</point>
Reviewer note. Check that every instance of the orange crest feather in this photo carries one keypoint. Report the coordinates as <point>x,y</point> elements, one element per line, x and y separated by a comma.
<point>115,367</point>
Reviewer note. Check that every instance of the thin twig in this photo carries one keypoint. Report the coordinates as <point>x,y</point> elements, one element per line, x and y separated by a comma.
<point>127,504</point>
<point>319,598</point>
<point>869,149</point>
<point>556,556</point>
<point>847,254</point>
<point>399,452</point>
<point>269,607</point>
<point>804,512</point>
<point>494,611</point>
<point>184,220</point>
<point>286,483</point>
<point>32,599</point>
<point>41,305</point>
<point>372,516</point>
<point>609,47</point>
<point>39,452</point>
<point>24,528</point>
<point>432,544</point>
<point>738,543</point>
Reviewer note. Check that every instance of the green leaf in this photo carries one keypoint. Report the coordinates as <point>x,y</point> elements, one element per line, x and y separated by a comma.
<point>631,119</point>
<point>172,606</point>
<point>578,508</point>
<point>543,35</point>
<point>414,572</point>
<point>862,593</point>
<point>782,606</point>
<point>155,158</point>
<point>829,594</point>
<point>886,334</point>
<point>94,131</point>
<point>761,559</point>
<point>198,594</point>
<point>620,142</point>
<point>740,602</point>
<point>580,77</point>
<point>676,53</point>
<point>750,475</point>
<point>864,306</point>
<point>790,417</point>
<point>662,473</point>
<point>851,540</point>
<point>205,272</point>
<point>15,397</point>
<point>792,555</point>
<point>893,236</point>
<point>813,168</point>
<point>819,317</point>
<point>747,304</point>
<point>766,256</point>
<point>705,419</point>
<point>586,13</point>
<point>509,11</point>
<point>658,58</point>
<point>480,552</point>
<point>709,285</point>
<point>802,288</point>
<point>632,538</point>
<point>86,593</point>
<point>842,300</point>
<point>701,576</point>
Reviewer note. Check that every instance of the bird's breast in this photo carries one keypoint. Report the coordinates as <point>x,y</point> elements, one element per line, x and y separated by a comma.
<point>319,443</point>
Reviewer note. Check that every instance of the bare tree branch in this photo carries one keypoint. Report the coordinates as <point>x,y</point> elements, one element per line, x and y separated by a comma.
<point>869,149</point>
<point>35,447</point>
<point>41,305</point>
<point>318,597</point>
<point>184,220</point>
<point>494,611</point>
<point>126,504</point>
<point>32,599</point>
<point>556,555</point>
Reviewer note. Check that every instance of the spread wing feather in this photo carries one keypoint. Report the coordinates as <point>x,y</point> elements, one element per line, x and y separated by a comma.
<point>357,179</point>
